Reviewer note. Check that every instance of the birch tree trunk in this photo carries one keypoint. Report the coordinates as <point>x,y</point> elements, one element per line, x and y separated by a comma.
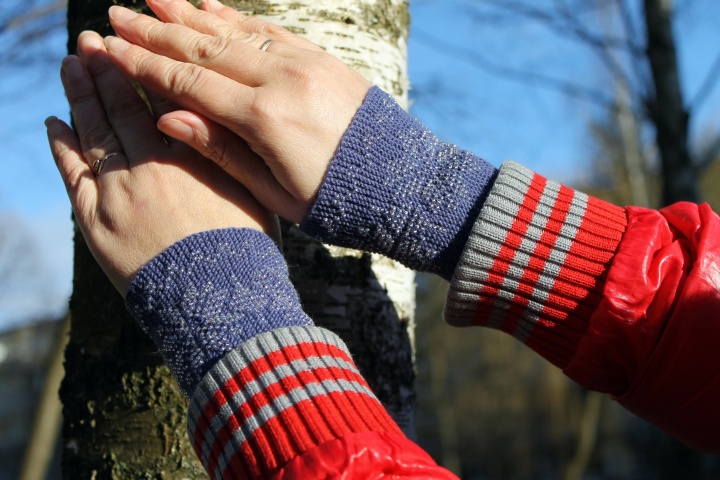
<point>124,416</point>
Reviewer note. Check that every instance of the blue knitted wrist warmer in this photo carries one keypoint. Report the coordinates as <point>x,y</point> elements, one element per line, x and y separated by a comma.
<point>394,188</point>
<point>208,293</point>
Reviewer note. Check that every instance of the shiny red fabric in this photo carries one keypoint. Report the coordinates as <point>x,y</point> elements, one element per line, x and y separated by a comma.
<point>654,340</point>
<point>367,455</point>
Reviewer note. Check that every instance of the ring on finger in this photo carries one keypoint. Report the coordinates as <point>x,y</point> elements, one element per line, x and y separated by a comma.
<point>266,44</point>
<point>99,164</point>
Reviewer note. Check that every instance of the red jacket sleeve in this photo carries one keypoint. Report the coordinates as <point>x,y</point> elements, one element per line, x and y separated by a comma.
<point>625,301</point>
<point>291,404</point>
<point>657,328</point>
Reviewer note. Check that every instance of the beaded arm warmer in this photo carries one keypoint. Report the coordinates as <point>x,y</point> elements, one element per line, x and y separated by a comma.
<point>394,188</point>
<point>208,293</point>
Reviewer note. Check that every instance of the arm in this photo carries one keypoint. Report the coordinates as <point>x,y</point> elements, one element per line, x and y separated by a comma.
<point>271,396</point>
<point>623,300</point>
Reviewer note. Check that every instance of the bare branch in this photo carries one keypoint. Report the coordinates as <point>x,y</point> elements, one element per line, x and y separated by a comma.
<point>598,44</point>
<point>707,86</point>
<point>33,15</point>
<point>567,29</point>
<point>596,97</point>
<point>710,154</point>
<point>631,31</point>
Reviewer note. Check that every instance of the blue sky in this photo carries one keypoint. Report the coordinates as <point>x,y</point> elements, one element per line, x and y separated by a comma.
<point>461,103</point>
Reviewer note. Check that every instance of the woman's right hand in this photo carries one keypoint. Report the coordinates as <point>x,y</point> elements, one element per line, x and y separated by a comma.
<point>291,103</point>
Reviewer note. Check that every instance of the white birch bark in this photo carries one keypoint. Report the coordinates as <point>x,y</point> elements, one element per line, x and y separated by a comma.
<point>367,299</point>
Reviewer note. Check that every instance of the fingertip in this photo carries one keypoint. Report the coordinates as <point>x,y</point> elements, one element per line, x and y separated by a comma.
<point>89,42</point>
<point>72,68</point>
<point>211,6</point>
<point>176,128</point>
<point>121,14</point>
<point>51,123</point>
<point>116,44</point>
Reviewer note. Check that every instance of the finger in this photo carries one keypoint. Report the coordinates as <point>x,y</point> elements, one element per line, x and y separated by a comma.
<point>234,156</point>
<point>129,116</point>
<point>256,25</point>
<point>97,138</point>
<point>76,174</point>
<point>195,88</point>
<point>182,12</point>
<point>159,105</point>
<point>241,60</point>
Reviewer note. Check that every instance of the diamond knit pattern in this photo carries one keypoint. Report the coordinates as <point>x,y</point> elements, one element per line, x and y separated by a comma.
<point>393,188</point>
<point>208,293</point>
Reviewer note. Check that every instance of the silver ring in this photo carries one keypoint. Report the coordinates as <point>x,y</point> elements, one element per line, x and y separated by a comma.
<point>100,162</point>
<point>266,44</point>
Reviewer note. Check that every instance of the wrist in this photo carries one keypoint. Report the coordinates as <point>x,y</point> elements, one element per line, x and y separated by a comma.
<point>394,188</point>
<point>208,293</point>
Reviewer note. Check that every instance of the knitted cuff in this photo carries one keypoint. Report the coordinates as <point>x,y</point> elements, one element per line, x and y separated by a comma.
<point>535,263</point>
<point>394,188</point>
<point>208,293</point>
<point>277,396</point>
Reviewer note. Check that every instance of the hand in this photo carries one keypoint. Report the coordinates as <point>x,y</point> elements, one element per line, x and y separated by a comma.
<point>152,192</point>
<point>291,103</point>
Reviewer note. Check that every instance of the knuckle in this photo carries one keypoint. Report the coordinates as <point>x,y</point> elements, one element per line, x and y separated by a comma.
<point>218,152</point>
<point>260,110</point>
<point>125,107</point>
<point>153,32</point>
<point>80,99</point>
<point>73,177</point>
<point>302,74</point>
<point>97,137</point>
<point>207,48</point>
<point>183,78</point>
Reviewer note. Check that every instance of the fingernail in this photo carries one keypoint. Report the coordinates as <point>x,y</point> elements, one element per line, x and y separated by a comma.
<point>116,44</point>
<point>72,67</point>
<point>121,14</point>
<point>178,130</point>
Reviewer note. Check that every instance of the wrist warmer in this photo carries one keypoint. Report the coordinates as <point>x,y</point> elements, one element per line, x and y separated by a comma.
<point>208,293</point>
<point>395,189</point>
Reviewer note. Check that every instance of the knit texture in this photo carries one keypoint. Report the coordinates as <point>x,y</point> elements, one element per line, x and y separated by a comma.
<point>394,188</point>
<point>208,293</point>
<point>276,396</point>
<point>535,263</point>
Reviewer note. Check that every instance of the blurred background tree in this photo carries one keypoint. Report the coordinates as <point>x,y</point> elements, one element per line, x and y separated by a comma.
<point>490,408</point>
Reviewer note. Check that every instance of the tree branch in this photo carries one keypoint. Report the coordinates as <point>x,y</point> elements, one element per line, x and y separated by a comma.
<point>596,97</point>
<point>707,85</point>
<point>34,14</point>
<point>710,154</point>
<point>567,29</point>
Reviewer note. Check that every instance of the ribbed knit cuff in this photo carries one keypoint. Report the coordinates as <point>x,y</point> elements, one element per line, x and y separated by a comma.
<point>535,263</point>
<point>277,396</point>
<point>393,188</point>
<point>208,293</point>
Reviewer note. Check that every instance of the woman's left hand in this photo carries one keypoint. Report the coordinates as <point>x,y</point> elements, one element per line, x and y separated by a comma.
<point>150,191</point>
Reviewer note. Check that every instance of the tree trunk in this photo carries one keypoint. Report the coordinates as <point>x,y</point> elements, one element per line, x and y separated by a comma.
<point>667,108</point>
<point>124,416</point>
